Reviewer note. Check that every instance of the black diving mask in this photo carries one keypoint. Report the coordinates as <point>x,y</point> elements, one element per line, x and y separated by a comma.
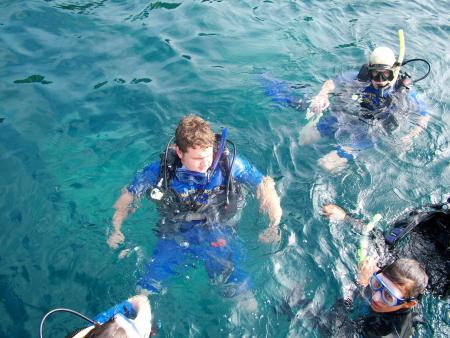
<point>381,73</point>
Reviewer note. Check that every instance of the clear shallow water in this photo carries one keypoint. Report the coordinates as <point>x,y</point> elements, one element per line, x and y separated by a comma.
<point>92,90</point>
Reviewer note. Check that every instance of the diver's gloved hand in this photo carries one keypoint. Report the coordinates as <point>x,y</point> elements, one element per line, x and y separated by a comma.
<point>115,239</point>
<point>270,235</point>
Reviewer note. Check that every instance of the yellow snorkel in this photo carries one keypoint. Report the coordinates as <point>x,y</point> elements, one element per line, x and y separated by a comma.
<point>364,241</point>
<point>401,55</point>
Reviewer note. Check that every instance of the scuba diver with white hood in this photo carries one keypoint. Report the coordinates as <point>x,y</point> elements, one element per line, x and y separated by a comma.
<point>383,99</point>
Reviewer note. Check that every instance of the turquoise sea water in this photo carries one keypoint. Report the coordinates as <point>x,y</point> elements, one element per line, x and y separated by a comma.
<point>90,91</point>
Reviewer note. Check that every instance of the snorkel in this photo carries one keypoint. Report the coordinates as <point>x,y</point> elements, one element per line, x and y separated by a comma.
<point>364,241</point>
<point>220,150</point>
<point>401,55</point>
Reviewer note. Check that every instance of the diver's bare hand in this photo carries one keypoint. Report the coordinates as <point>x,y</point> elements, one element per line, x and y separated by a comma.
<point>319,103</point>
<point>334,212</point>
<point>115,239</point>
<point>270,235</point>
<point>366,269</point>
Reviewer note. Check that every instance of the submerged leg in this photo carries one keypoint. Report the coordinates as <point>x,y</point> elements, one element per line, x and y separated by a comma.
<point>336,159</point>
<point>314,130</point>
<point>167,261</point>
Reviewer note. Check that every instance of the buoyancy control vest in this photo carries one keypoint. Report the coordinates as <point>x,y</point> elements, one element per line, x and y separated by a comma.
<point>221,202</point>
<point>435,221</point>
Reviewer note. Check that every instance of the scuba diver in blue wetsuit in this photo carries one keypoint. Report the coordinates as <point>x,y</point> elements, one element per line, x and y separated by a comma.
<point>383,96</point>
<point>196,187</point>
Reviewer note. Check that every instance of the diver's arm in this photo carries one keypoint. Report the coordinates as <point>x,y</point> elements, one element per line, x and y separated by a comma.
<point>123,208</point>
<point>423,121</point>
<point>337,214</point>
<point>366,269</point>
<point>327,88</point>
<point>320,102</point>
<point>334,212</point>
<point>269,202</point>
<point>368,264</point>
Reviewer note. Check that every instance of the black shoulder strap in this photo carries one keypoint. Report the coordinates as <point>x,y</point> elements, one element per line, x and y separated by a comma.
<point>363,74</point>
<point>169,161</point>
<point>419,218</point>
<point>168,165</point>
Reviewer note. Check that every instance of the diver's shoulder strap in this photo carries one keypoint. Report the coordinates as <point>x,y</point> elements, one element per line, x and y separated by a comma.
<point>416,217</point>
<point>168,164</point>
<point>363,74</point>
<point>404,81</point>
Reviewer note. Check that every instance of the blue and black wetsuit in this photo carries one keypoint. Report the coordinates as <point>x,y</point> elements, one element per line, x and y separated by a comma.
<point>183,238</point>
<point>351,124</point>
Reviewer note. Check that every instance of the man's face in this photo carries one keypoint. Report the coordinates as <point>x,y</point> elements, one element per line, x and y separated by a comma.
<point>378,305</point>
<point>196,159</point>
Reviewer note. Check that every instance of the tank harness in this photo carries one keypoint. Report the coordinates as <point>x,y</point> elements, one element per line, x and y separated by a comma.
<point>169,201</point>
<point>436,220</point>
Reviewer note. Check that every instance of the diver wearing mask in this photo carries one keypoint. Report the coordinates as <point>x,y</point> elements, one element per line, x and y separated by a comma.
<point>383,95</point>
<point>422,234</point>
<point>193,185</point>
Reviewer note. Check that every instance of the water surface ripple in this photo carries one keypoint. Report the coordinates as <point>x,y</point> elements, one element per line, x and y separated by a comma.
<point>92,90</point>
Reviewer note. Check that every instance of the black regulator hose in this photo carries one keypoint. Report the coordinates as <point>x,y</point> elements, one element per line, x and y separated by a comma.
<point>422,60</point>
<point>41,327</point>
